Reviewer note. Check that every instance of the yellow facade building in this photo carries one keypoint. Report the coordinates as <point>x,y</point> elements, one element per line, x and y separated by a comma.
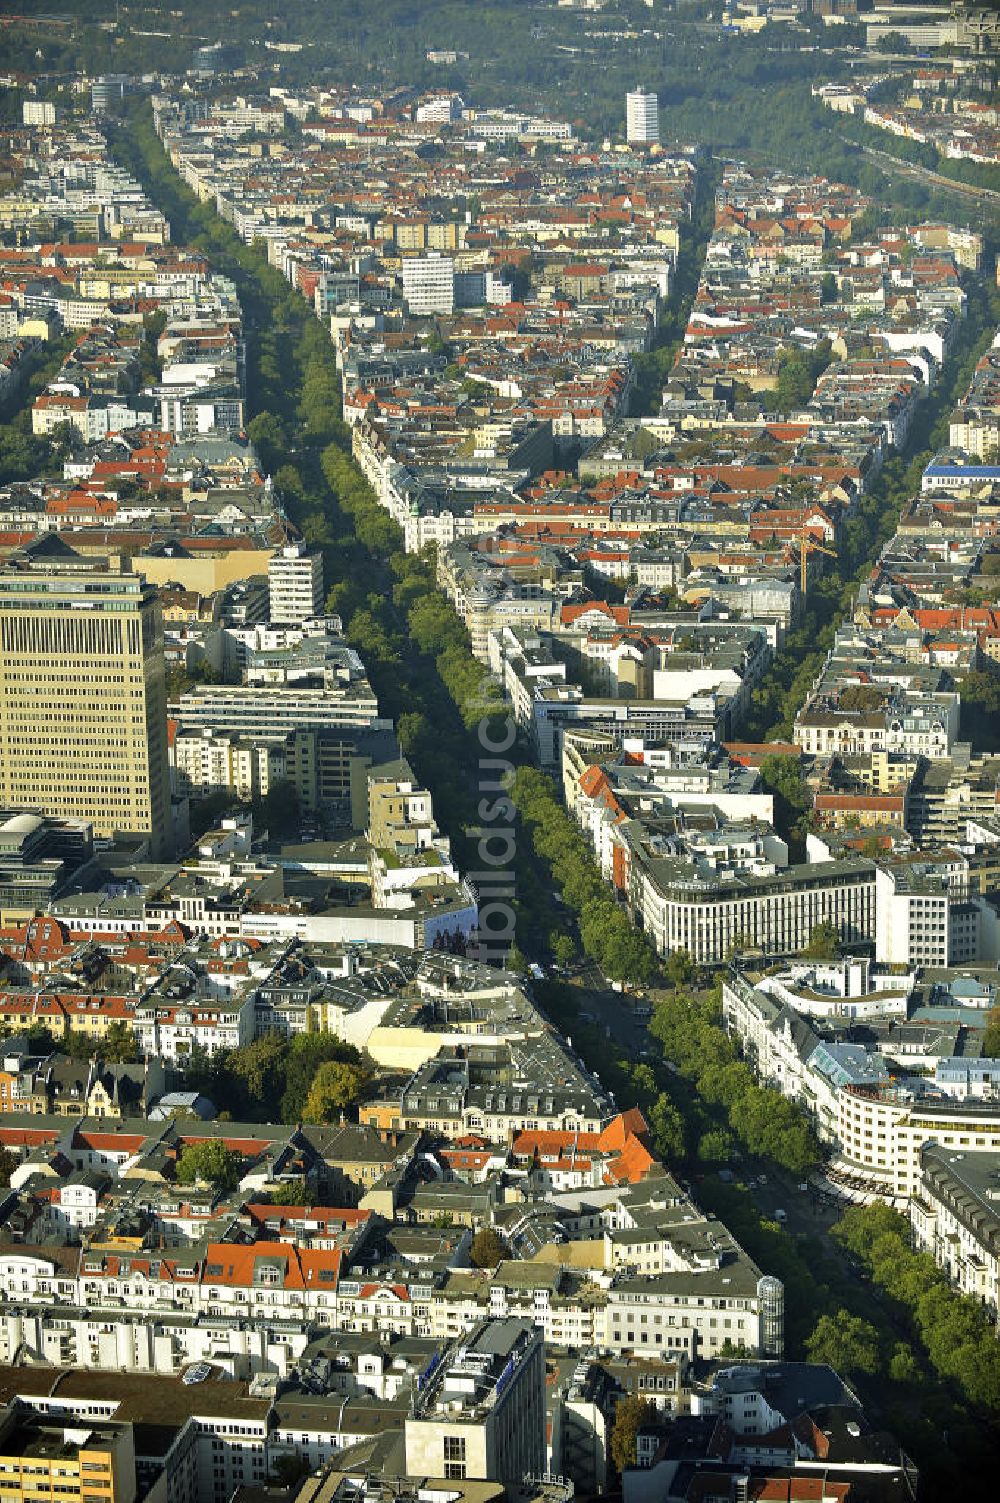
<point>44,1458</point>
<point>83,720</point>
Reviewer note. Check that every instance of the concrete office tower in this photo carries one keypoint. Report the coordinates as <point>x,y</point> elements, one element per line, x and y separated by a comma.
<point>429,285</point>
<point>479,1412</point>
<point>83,713</point>
<point>295,585</point>
<point>642,118</point>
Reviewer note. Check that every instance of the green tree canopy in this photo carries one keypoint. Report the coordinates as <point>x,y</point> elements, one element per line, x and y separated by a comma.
<point>991,1034</point>
<point>304,1057</point>
<point>488,1248</point>
<point>631,1414</point>
<point>259,1068</point>
<point>847,1343</point>
<point>119,1045</point>
<point>209,1162</point>
<point>291,1192</point>
<point>679,969</point>
<point>562,947</point>
<point>823,942</point>
<point>336,1085</point>
<point>667,1127</point>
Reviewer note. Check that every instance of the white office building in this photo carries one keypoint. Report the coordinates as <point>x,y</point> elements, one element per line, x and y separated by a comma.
<point>38,112</point>
<point>925,915</point>
<point>440,110</point>
<point>642,118</point>
<point>429,285</point>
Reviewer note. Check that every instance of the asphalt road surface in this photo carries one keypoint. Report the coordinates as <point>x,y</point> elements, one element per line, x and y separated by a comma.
<point>806,1214</point>
<point>610,1010</point>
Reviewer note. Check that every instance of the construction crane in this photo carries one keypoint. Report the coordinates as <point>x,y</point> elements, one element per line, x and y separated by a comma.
<point>807,545</point>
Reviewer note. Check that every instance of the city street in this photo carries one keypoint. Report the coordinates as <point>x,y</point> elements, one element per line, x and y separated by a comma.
<point>807,1213</point>
<point>610,1010</point>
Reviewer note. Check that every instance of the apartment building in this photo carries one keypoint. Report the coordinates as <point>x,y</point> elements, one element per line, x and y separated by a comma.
<point>955,1216</point>
<point>170,1023</point>
<point>206,762</point>
<point>695,720</point>
<point>870,1095</point>
<point>490,607</point>
<point>295,585</point>
<point>191,1443</point>
<point>203,410</point>
<point>93,415</point>
<point>400,811</point>
<point>946,793</point>
<point>38,112</point>
<point>83,725</point>
<point>718,1299</point>
<point>642,118</point>
<point>730,1304</point>
<point>924,725</point>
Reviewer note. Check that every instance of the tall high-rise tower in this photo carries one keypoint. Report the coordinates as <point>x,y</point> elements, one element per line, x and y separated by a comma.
<point>642,118</point>
<point>83,716</point>
<point>295,585</point>
<point>429,284</point>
